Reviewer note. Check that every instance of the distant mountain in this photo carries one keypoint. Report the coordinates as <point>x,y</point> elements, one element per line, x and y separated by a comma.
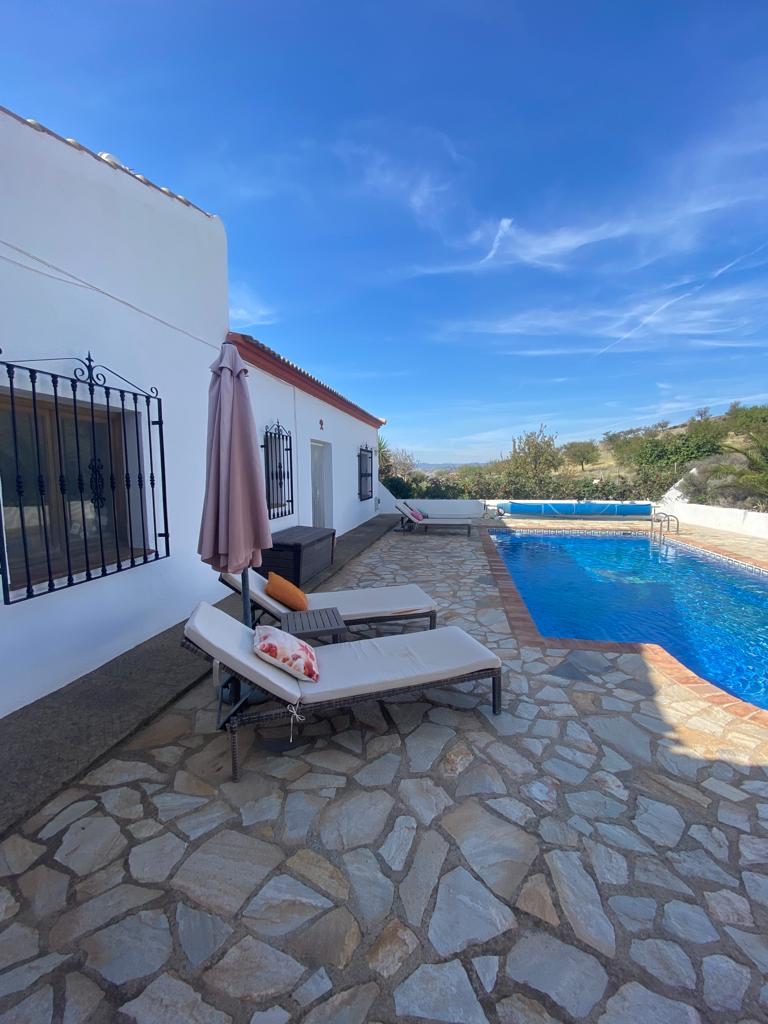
<point>430,467</point>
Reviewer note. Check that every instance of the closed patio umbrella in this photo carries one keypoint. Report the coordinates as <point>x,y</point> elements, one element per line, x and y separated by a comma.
<point>234,529</point>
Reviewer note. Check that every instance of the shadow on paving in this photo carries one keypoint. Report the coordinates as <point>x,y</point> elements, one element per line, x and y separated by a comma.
<point>596,854</point>
<point>48,743</point>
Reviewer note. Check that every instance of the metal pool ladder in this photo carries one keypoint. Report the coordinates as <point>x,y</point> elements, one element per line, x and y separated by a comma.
<point>664,522</point>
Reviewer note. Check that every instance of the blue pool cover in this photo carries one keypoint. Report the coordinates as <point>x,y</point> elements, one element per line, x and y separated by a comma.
<point>575,509</point>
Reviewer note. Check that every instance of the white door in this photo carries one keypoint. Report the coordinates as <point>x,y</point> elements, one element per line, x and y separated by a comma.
<point>322,484</point>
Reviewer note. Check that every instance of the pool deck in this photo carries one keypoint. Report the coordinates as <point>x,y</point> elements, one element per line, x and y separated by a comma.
<point>597,854</point>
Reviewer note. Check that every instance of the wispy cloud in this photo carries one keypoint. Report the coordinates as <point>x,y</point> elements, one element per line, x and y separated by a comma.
<point>246,308</point>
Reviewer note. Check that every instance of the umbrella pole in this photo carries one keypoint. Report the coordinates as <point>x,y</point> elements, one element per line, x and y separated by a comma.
<point>245,590</point>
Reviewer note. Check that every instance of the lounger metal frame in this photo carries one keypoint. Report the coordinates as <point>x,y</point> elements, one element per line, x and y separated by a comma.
<point>239,715</point>
<point>369,621</point>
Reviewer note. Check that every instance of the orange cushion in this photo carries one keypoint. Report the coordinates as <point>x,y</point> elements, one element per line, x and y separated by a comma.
<point>286,593</point>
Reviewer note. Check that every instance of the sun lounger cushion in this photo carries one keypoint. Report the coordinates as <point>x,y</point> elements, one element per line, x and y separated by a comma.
<point>286,593</point>
<point>358,605</point>
<point>286,652</point>
<point>228,640</point>
<point>348,669</point>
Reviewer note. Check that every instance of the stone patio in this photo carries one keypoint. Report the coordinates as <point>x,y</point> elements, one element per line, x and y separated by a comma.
<point>597,853</point>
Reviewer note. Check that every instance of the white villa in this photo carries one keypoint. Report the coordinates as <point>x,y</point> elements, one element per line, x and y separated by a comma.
<point>97,259</point>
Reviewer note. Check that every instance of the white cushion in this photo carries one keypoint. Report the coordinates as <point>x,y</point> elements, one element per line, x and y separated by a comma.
<point>223,637</point>
<point>393,662</point>
<point>357,605</point>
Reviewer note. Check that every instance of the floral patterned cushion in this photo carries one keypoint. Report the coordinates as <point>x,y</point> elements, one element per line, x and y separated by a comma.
<point>286,652</point>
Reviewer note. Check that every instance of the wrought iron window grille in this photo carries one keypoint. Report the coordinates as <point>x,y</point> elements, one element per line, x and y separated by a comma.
<point>365,473</point>
<point>82,476</point>
<point>278,470</point>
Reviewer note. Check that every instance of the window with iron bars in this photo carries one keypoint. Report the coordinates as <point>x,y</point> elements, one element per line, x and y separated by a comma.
<point>365,473</point>
<point>82,474</point>
<point>278,471</point>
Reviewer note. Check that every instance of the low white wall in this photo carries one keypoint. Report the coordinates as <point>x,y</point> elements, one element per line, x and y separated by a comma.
<point>735,520</point>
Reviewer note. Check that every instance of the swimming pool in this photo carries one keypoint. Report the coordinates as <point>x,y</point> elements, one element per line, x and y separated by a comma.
<point>710,614</point>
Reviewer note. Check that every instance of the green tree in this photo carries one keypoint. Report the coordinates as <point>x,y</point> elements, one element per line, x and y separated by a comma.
<point>583,453</point>
<point>532,463</point>
<point>385,457</point>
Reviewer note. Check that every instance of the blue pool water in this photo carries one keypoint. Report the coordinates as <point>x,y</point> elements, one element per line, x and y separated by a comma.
<point>711,615</point>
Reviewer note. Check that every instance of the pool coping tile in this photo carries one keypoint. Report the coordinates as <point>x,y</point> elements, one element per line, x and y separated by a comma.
<point>526,631</point>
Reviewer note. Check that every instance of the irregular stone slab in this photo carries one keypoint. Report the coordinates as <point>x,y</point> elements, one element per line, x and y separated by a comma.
<point>35,1009</point>
<point>66,817</point>
<point>185,782</point>
<point>725,982</point>
<point>200,933</point>
<point>665,961</point>
<point>755,947</point>
<point>757,886</point>
<point>661,823</point>
<point>98,911</point>
<point>688,922</point>
<point>564,770</point>
<point>153,861</point>
<point>652,872</point>
<point>373,891</point>
<point>609,866</point>
<point>512,809</point>
<point>481,779</point>
<point>729,907</point>
<point>417,886</point>
<point>535,898</point>
<point>17,942</point>
<point>331,941</point>
<point>499,852</point>
<point>713,839</point>
<point>163,730</point>
<point>168,1001</point>
<point>171,805</point>
<point>123,803</point>
<point>45,890</point>
<point>319,872</point>
<point>379,772</point>
<point>580,901</point>
<point>282,906</point>
<point>133,948</point>
<point>392,948</point>
<point>275,1015</point>
<point>206,819</point>
<point>350,1007</point>
<point>624,838</point>
<point>424,798</point>
<point>224,871</point>
<point>575,980</point>
<point>439,992</point>
<point>334,760</point>
<point>8,905</point>
<point>617,730</point>
<point>519,1009</point>
<point>116,773</point>
<point>24,977</point>
<point>100,881</point>
<point>408,716</point>
<point>82,998</point>
<point>633,1003</point>
<point>752,850</point>
<point>266,808</point>
<point>17,854</point>
<point>487,968</point>
<point>314,987</point>
<point>397,845</point>
<point>301,809</point>
<point>91,843</point>
<point>145,829</point>
<point>591,803</point>
<point>636,913</point>
<point>512,762</point>
<point>466,913</point>
<point>544,791</point>
<point>253,970</point>
<point>355,820</point>
<point>425,744</point>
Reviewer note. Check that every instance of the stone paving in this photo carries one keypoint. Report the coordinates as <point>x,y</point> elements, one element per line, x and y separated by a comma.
<point>597,853</point>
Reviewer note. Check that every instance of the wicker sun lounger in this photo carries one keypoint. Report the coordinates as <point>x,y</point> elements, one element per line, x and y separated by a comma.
<point>349,672</point>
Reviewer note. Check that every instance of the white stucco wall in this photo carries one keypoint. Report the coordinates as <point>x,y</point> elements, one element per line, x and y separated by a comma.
<point>152,251</point>
<point>274,399</point>
<point>735,520</point>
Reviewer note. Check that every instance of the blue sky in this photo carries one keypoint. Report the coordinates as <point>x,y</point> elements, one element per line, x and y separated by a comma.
<point>469,217</point>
